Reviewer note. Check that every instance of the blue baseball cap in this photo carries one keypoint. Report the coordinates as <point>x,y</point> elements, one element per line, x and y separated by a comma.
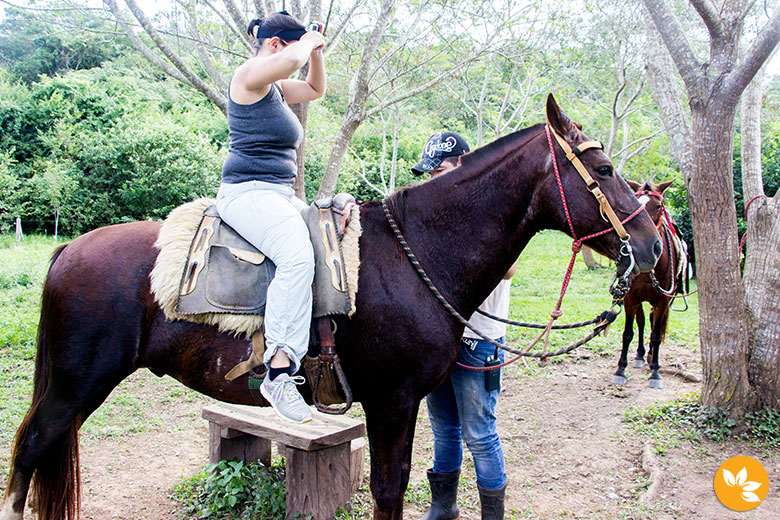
<point>438,147</point>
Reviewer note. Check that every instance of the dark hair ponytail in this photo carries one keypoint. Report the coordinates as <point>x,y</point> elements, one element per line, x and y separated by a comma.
<point>257,22</point>
<point>280,24</point>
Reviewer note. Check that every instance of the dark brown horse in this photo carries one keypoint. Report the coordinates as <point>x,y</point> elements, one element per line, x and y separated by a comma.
<point>99,322</point>
<point>656,288</point>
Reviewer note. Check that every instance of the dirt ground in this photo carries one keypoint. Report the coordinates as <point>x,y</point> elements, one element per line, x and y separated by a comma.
<point>569,454</point>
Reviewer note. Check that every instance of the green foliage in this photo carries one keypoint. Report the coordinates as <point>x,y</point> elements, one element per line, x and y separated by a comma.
<point>684,418</point>
<point>764,427</point>
<point>234,490</point>
<point>28,51</point>
<point>105,146</point>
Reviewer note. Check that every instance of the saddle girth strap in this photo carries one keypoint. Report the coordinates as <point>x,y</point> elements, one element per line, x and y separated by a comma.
<point>255,359</point>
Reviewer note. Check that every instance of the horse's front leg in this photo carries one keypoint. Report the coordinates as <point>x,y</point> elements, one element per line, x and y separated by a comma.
<point>390,436</point>
<point>619,377</point>
<point>660,316</point>
<point>639,360</point>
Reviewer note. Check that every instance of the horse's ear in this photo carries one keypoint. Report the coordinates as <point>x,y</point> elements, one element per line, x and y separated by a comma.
<point>661,187</point>
<point>559,121</point>
<point>633,185</point>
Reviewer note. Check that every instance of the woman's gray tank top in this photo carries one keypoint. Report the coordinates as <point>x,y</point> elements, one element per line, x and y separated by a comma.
<point>264,137</point>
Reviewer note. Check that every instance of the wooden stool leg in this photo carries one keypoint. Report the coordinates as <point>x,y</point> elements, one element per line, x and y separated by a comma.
<point>229,444</point>
<point>318,482</point>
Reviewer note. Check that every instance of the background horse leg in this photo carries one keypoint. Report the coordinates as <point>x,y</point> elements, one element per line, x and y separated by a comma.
<point>639,360</point>
<point>390,436</point>
<point>619,377</point>
<point>660,319</point>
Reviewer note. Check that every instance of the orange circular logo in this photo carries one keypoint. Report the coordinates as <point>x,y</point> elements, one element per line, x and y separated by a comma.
<point>741,483</point>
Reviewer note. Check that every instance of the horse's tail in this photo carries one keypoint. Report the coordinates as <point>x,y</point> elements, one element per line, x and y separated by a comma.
<point>56,486</point>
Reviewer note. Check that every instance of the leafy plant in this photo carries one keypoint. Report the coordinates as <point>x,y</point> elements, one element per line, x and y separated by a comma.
<point>232,490</point>
<point>764,426</point>
<point>684,418</point>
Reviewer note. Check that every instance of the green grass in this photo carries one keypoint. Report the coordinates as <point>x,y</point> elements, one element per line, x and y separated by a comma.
<point>22,271</point>
<point>537,285</point>
<point>670,423</point>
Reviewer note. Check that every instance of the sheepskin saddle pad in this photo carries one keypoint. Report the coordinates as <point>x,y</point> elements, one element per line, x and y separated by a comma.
<point>206,273</point>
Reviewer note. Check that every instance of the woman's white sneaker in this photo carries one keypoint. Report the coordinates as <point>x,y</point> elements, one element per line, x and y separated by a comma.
<point>285,399</point>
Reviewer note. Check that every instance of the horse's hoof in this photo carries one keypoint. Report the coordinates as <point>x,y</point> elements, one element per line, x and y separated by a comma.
<point>639,363</point>
<point>656,383</point>
<point>618,380</point>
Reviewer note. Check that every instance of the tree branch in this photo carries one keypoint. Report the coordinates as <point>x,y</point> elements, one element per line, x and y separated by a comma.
<point>710,17</point>
<point>216,97</point>
<point>362,173</point>
<point>636,142</point>
<point>242,36</point>
<point>668,98</point>
<point>238,18</point>
<point>141,46</point>
<point>214,75</point>
<point>673,36</point>
<point>759,52</point>
<point>333,40</point>
<point>414,92</point>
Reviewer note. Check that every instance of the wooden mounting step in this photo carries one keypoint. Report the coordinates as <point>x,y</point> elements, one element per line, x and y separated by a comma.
<point>324,457</point>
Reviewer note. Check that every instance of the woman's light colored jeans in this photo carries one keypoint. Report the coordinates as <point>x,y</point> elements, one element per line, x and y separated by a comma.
<point>268,216</point>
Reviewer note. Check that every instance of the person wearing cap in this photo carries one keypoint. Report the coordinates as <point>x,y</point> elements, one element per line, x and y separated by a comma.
<point>463,407</point>
<point>256,197</point>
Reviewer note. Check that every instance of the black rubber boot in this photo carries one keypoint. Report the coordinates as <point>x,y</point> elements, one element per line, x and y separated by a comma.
<point>444,496</point>
<point>492,501</point>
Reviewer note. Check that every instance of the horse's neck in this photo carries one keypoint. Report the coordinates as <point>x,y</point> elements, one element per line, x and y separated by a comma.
<point>467,227</point>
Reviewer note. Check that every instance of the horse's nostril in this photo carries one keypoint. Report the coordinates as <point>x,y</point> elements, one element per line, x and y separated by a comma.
<point>658,248</point>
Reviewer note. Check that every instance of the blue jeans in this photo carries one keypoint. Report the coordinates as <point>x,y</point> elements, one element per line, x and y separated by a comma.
<point>461,409</point>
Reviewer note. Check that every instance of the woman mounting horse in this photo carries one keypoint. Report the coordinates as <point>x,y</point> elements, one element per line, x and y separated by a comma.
<point>99,322</point>
<point>256,196</point>
<point>657,288</point>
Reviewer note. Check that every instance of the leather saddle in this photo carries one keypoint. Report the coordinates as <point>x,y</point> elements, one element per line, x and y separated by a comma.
<point>226,275</point>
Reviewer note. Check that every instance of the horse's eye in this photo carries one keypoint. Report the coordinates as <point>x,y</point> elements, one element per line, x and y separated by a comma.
<point>605,170</point>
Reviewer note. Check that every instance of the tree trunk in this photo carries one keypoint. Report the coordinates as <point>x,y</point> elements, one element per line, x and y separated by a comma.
<point>762,258</point>
<point>301,111</point>
<point>590,260</point>
<point>358,96</point>
<point>349,126</point>
<point>732,327</point>
<point>722,316</point>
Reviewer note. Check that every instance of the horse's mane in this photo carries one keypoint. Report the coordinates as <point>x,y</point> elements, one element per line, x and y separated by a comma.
<point>471,164</point>
<point>493,152</point>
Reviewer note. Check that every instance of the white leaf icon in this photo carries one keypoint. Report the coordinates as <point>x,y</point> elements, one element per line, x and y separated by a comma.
<point>729,478</point>
<point>741,477</point>
<point>747,496</point>
<point>751,486</point>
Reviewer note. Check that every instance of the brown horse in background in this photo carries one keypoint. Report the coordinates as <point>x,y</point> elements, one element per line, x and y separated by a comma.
<point>99,322</point>
<point>656,287</point>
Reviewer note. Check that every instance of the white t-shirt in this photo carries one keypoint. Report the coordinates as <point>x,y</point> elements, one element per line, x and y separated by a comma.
<point>497,304</point>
